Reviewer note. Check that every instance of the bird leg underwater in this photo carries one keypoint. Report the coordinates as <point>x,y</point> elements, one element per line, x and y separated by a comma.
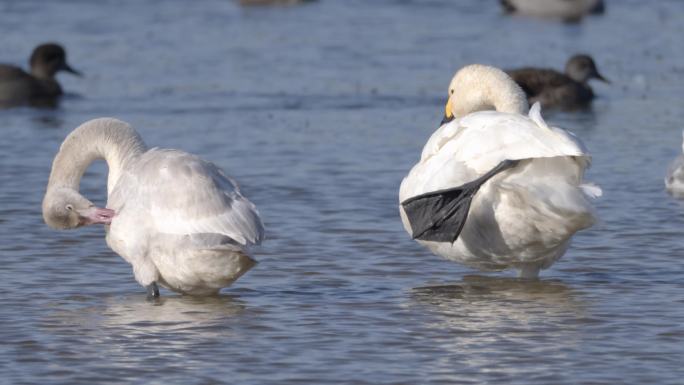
<point>439,216</point>
<point>152,291</point>
<point>530,271</point>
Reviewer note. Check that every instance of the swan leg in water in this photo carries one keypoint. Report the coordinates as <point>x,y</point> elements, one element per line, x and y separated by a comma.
<point>439,216</point>
<point>530,271</point>
<point>152,290</point>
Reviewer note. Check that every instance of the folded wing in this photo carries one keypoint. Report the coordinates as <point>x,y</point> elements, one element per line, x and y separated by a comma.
<point>186,195</point>
<point>484,139</point>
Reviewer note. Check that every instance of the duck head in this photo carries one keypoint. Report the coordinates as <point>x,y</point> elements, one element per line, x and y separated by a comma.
<point>47,59</point>
<point>581,68</point>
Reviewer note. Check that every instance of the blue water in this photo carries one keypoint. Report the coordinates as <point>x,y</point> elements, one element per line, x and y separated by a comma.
<point>319,111</point>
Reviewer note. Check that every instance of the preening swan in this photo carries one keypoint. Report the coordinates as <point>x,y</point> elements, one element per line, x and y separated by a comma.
<point>177,219</point>
<point>497,189</point>
<point>674,181</point>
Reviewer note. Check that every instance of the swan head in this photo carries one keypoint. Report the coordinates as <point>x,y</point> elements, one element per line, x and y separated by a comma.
<point>581,68</point>
<point>49,58</point>
<point>478,87</point>
<point>64,208</point>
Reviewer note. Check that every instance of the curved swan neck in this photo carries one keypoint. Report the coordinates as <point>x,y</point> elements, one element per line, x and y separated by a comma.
<point>110,139</point>
<point>477,87</point>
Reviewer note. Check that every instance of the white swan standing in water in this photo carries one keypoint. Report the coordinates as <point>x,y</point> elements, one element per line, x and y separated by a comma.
<point>497,189</point>
<point>674,181</point>
<point>178,220</point>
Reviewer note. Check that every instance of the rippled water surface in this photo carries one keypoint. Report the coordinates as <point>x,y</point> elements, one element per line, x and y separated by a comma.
<point>319,111</point>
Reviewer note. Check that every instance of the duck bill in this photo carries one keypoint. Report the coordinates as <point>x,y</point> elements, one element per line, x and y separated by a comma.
<point>600,77</point>
<point>67,68</point>
<point>95,216</point>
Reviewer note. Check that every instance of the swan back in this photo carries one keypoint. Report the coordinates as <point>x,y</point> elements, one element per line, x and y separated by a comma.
<point>179,193</point>
<point>478,87</point>
<point>483,139</point>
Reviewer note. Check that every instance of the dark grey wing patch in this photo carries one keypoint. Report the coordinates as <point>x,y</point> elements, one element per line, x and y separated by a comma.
<point>507,6</point>
<point>439,216</point>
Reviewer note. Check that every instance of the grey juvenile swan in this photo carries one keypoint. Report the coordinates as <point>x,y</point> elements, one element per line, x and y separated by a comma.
<point>177,219</point>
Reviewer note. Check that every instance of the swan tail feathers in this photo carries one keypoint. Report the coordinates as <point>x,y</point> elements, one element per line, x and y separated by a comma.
<point>591,190</point>
<point>535,115</point>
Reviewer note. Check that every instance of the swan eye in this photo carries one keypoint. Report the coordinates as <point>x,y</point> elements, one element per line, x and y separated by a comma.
<point>451,92</point>
<point>69,207</point>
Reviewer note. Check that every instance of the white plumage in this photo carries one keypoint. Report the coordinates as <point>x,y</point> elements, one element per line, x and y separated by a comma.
<point>180,221</point>
<point>569,10</point>
<point>523,217</point>
<point>674,180</point>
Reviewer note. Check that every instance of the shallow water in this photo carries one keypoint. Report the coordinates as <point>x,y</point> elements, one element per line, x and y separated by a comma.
<point>319,111</point>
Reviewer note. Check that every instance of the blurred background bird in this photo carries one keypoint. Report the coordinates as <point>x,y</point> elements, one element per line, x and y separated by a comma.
<point>39,87</point>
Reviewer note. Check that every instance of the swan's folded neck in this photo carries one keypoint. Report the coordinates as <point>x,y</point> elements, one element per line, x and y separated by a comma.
<point>478,87</point>
<point>112,140</point>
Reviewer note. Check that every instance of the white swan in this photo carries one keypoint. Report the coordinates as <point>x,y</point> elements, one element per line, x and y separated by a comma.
<point>674,181</point>
<point>531,197</point>
<point>178,220</point>
<point>567,10</point>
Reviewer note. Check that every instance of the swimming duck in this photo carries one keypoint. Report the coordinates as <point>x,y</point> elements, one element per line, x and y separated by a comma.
<point>566,10</point>
<point>39,87</point>
<point>674,181</point>
<point>567,91</point>
<point>180,221</point>
<point>497,189</point>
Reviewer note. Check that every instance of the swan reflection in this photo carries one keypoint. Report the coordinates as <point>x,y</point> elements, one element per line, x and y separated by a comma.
<point>497,325</point>
<point>130,332</point>
<point>171,312</point>
<point>172,319</point>
<point>481,303</point>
